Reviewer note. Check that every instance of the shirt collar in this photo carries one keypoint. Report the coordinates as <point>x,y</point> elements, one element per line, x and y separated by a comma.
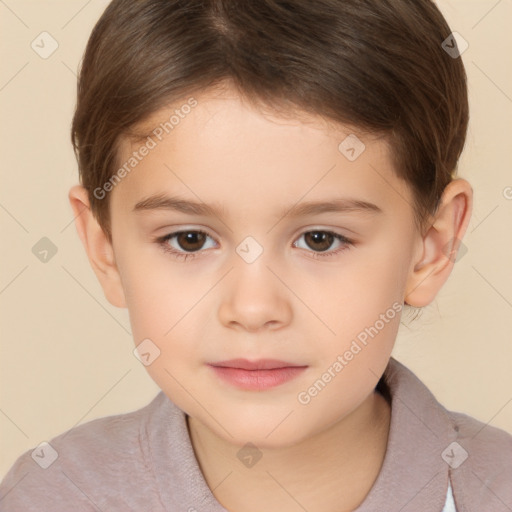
<point>413,476</point>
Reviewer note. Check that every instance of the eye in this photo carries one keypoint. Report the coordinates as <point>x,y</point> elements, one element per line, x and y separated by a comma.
<point>184,244</point>
<point>188,242</point>
<point>320,240</point>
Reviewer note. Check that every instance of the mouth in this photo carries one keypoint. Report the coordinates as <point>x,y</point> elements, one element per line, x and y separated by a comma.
<point>256,375</point>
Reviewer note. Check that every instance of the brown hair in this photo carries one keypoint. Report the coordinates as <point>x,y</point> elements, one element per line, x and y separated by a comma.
<point>374,64</point>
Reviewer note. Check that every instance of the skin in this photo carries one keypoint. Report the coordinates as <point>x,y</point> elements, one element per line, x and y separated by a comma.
<point>324,455</point>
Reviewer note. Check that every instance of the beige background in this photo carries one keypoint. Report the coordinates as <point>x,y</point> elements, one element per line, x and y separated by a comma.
<point>66,353</point>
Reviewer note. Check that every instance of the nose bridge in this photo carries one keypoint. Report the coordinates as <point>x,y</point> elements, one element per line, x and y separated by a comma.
<point>252,277</point>
<point>255,297</point>
<point>259,263</point>
<point>250,250</point>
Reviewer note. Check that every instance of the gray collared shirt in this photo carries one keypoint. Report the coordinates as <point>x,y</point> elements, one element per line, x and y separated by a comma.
<point>144,461</point>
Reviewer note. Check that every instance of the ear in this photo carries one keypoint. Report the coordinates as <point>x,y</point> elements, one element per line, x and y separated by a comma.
<point>440,244</point>
<point>98,247</point>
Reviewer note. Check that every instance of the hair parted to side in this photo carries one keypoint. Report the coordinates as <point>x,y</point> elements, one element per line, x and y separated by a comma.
<point>377,65</point>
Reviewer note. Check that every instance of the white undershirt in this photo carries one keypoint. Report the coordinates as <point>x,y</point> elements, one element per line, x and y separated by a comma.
<point>449,505</point>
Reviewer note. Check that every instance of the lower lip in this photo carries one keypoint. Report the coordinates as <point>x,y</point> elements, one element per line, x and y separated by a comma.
<point>257,380</point>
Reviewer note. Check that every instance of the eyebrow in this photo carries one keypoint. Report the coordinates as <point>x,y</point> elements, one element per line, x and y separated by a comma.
<point>336,205</point>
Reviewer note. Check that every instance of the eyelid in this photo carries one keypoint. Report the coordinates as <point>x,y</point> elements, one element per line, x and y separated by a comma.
<point>347,242</point>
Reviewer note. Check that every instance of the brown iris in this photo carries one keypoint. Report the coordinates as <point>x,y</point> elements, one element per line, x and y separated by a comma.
<point>325,239</point>
<point>194,239</point>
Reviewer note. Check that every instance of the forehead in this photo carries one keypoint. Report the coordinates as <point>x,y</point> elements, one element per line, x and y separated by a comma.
<point>224,150</point>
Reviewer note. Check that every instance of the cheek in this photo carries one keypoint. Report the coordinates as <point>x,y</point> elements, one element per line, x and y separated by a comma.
<point>352,296</point>
<point>163,308</point>
<point>158,292</point>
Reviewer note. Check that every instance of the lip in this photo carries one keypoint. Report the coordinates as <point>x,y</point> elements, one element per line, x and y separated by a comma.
<point>260,364</point>
<point>256,375</point>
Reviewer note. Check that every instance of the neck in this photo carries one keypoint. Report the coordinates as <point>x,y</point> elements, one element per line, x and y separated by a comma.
<point>332,471</point>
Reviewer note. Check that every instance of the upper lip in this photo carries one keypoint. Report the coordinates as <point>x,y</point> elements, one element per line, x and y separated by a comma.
<point>260,364</point>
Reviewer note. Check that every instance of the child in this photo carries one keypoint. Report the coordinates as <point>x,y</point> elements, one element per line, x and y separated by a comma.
<point>253,131</point>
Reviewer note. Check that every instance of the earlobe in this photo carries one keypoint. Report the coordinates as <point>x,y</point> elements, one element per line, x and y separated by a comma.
<point>440,244</point>
<point>97,246</point>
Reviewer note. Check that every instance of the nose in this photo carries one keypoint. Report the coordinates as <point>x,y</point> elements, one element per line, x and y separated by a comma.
<point>254,298</point>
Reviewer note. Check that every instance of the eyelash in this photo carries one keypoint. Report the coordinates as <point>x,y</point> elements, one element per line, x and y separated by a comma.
<point>163,242</point>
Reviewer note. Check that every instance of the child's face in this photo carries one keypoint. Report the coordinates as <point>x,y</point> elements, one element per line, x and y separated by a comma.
<point>286,305</point>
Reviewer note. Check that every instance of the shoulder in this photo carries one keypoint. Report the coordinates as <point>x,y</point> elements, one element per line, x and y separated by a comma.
<point>475,456</point>
<point>480,461</point>
<point>72,466</point>
<point>478,435</point>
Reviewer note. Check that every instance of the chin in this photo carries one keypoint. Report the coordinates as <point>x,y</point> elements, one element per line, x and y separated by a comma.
<point>265,433</point>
